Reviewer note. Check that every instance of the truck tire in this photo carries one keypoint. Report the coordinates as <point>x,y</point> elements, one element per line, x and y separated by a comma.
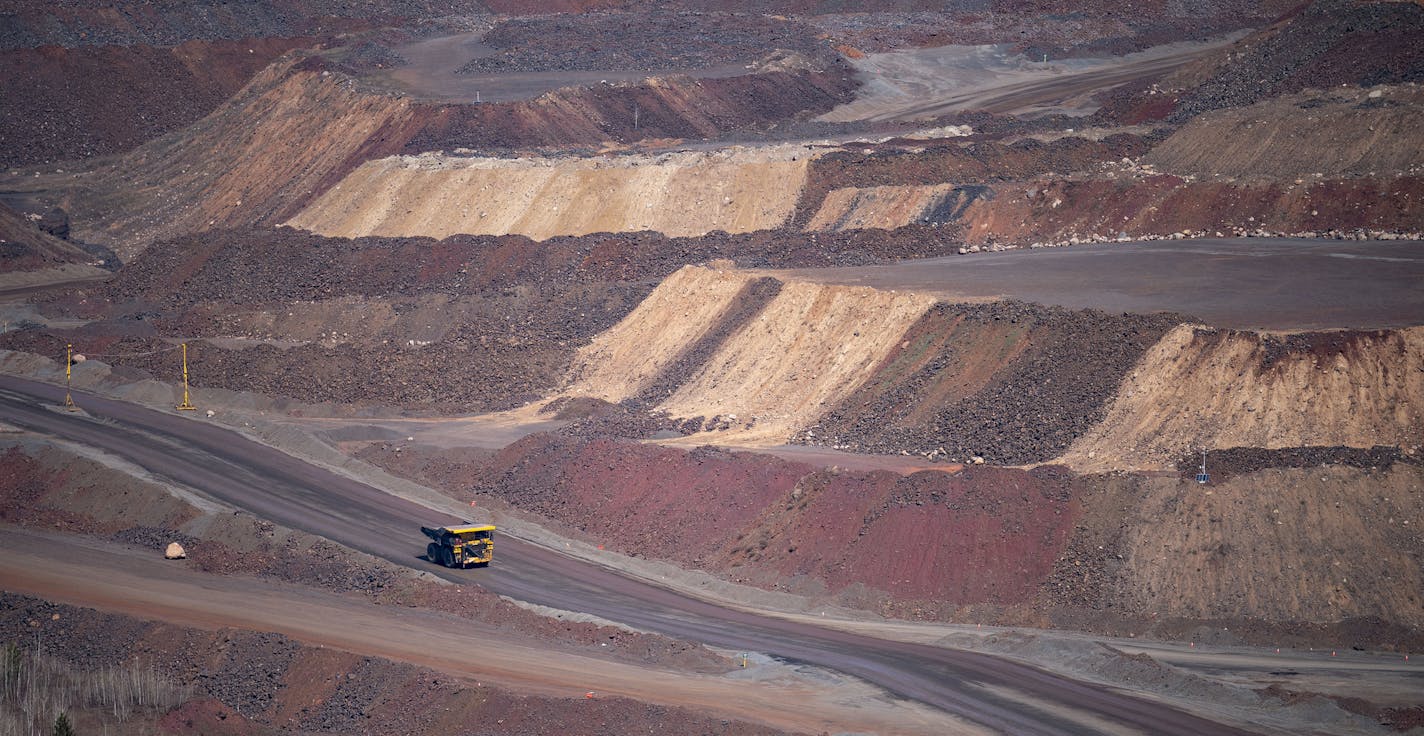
<point>432,552</point>
<point>447,557</point>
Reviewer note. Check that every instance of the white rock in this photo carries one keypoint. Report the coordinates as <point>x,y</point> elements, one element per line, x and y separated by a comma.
<point>175,551</point>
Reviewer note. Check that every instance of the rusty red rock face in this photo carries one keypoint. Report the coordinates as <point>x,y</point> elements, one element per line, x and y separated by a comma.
<point>984,535</point>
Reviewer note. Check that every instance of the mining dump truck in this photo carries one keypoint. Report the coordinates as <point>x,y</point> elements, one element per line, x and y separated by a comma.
<point>469,545</point>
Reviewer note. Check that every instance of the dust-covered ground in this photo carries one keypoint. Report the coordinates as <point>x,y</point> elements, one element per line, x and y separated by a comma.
<point>1255,685</point>
<point>929,82</point>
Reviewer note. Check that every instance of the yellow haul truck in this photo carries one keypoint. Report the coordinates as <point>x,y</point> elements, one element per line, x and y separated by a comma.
<point>460,546</point>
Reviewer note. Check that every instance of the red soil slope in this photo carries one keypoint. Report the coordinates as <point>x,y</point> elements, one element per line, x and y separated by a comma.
<point>1161,205</point>
<point>929,540</point>
<point>1118,553</point>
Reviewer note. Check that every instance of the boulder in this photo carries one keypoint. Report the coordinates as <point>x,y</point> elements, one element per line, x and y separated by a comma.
<point>175,551</point>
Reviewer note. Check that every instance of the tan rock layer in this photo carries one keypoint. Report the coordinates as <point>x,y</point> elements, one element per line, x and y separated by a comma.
<point>437,196</point>
<point>1202,388</point>
<point>809,348</point>
<point>621,362</point>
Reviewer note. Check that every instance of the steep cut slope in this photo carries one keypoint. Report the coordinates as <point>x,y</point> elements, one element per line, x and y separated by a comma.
<point>760,361</point>
<point>802,351</point>
<point>808,348</point>
<point>1316,162</point>
<point>776,89</point>
<point>893,164</point>
<point>1326,43</point>
<point>676,194</point>
<point>29,256</point>
<point>23,245</point>
<point>628,359</point>
<point>1007,381</point>
<point>302,125</point>
<point>287,134</point>
<point>1320,544</point>
<point>1146,205</point>
<point>1202,388</point>
<point>1332,133</point>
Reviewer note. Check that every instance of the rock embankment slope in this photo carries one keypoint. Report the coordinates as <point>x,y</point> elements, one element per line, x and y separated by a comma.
<point>757,361</point>
<point>1330,133</point>
<point>1312,162</point>
<point>290,132</point>
<point>676,194</point>
<point>1327,556</point>
<point>94,100</point>
<point>1203,388</point>
<point>302,125</point>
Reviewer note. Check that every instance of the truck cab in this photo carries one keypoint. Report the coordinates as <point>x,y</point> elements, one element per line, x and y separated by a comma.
<point>466,545</point>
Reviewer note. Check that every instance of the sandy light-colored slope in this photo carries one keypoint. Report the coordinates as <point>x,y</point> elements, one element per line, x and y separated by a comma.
<point>676,194</point>
<point>621,362</point>
<point>1202,388</point>
<point>808,348</point>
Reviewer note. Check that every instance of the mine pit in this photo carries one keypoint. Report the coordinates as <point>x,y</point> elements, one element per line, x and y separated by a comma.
<point>898,371</point>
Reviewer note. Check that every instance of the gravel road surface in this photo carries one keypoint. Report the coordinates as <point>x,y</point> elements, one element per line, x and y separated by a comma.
<point>1001,695</point>
<point>915,84</point>
<point>1243,283</point>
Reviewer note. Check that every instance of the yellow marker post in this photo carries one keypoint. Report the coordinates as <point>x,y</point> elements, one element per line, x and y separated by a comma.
<point>68,364</point>
<point>186,405</point>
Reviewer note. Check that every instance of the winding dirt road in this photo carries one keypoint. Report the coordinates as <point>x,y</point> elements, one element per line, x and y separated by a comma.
<point>916,84</point>
<point>998,694</point>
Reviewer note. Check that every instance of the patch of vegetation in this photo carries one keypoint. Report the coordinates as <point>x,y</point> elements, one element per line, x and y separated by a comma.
<point>38,692</point>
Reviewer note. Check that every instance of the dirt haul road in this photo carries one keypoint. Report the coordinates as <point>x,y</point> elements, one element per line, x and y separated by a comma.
<point>923,83</point>
<point>1241,283</point>
<point>996,693</point>
<point>86,572</point>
